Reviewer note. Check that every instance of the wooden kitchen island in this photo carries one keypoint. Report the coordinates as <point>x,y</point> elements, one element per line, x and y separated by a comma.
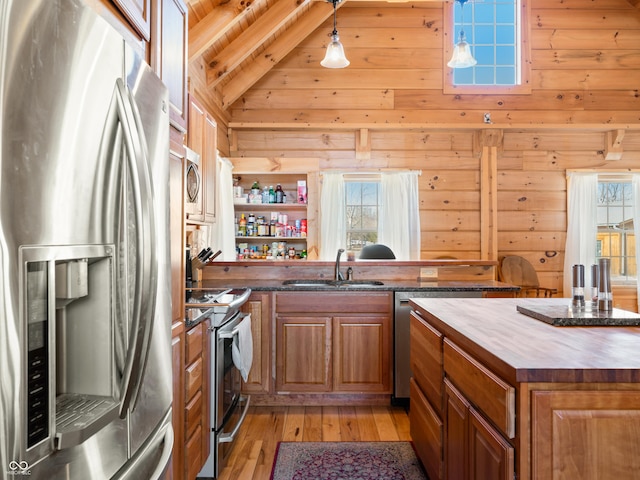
<point>497,394</point>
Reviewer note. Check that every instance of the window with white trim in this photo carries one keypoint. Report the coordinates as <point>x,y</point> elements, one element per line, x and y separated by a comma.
<point>616,238</point>
<point>496,33</point>
<point>362,208</point>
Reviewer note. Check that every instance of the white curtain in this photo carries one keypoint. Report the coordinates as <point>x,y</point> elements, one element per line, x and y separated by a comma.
<point>224,237</point>
<point>333,234</point>
<point>635,182</point>
<point>582,226</point>
<point>399,218</point>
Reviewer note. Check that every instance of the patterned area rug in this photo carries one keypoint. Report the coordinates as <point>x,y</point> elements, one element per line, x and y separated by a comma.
<point>346,461</point>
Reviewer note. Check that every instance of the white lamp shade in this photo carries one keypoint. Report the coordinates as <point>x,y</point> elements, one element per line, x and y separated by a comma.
<point>462,57</point>
<point>335,57</point>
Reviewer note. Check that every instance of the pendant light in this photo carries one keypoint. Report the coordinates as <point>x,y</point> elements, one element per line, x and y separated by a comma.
<point>462,57</point>
<point>334,57</point>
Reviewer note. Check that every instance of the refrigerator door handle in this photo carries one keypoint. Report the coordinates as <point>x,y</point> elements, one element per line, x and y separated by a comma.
<point>146,275</point>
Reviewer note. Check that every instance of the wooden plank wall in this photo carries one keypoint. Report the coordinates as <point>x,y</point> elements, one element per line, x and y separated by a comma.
<point>388,110</point>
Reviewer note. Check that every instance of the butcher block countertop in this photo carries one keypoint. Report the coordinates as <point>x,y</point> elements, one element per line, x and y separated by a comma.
<point>523,349</point>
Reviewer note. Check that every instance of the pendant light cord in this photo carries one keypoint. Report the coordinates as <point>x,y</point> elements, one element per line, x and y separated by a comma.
<point>335,23</point>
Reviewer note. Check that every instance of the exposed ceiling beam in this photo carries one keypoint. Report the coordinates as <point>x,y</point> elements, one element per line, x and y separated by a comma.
<point>318,12</point>
<point>249,40</point>
<point>215,25</point>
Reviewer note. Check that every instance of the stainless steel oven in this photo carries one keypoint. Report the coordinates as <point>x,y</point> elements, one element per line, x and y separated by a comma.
<point>228,406</point>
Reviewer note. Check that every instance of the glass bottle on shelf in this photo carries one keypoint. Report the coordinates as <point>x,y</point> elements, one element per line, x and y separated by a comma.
<point>255,188</point>
<point>251,226</point>
<point>272,195</point>
<point>265,194</point>
<point>242,226</point>
<point>279,193</point>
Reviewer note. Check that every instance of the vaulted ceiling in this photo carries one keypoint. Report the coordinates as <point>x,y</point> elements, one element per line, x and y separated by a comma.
<point>236,42</point>
<point>239,41</point>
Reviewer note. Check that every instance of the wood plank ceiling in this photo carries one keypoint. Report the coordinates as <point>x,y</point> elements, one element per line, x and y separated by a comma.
<point>239,41</point>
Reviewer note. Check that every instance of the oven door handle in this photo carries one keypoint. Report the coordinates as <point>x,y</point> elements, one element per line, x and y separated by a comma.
<point>234,332</point>
<point>230,437</point>
<point>230,334</point>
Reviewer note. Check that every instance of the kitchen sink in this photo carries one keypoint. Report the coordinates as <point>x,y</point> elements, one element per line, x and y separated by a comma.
<point>332,283</point>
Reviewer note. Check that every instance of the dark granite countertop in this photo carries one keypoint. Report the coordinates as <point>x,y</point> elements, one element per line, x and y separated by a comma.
<point>388,285</point>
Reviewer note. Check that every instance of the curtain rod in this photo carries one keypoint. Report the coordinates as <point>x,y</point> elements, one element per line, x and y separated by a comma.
<point>371,172</point>
<point>602,170</point>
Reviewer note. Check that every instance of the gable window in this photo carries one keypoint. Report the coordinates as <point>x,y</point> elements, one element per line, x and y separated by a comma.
<point>496,31</point>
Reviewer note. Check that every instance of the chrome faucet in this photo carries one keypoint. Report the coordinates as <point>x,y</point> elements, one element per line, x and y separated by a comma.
<point>337,275</point>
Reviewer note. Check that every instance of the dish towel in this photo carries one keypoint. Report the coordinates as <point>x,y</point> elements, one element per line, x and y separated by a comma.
<point>242,347</point>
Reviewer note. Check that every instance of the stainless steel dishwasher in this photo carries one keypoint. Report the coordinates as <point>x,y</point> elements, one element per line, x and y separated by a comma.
<point>402,366</point>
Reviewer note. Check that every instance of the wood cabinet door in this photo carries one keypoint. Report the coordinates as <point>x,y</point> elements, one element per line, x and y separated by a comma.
<point>456,450</point>
<point>196,142</point>
<point>491,457</point>
<point>473,449</point>
<point>259,379</point>
<point>194,460</point>
<point>138,13</point>
<point>426,359</point>
<point>362,354</point>
<point>587,434</point>
<point>303,354</point>
<point>177,349</point>
<point>206,390</point>
<point>426,431</point>
<point>210,166</point>
<point>169,57</point>
<point>176,222</point>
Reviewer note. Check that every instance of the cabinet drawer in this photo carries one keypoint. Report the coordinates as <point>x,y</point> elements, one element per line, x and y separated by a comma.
<point>194,343</point>
<point>490,394</point>
<point>193,413</point>
<point>426,432</point>
<point>194,460</point>
<point>333,302</point>
<point>193,380</point>
<point>426,360</point>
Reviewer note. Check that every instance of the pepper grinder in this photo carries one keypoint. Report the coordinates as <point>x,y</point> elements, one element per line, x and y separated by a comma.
<point>578,288</point>
<point>605,297</point>
<point>594,284</point>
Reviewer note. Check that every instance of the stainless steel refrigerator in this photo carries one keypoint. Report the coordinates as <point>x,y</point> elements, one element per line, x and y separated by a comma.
<point>85,314</point>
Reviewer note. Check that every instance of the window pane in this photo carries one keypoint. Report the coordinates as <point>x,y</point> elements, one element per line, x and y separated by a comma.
<point>505,55</point>
<point>353,193</point>
<point>369,194</point>
<point>505,12</point>
<point>354,217</point>
<point>504,76</point>
<point>370,218</point>
<point>484,56</point>
<point>483,13</point>
<point>505,34</point>
<point>483,34</point>
<point>484,76</point>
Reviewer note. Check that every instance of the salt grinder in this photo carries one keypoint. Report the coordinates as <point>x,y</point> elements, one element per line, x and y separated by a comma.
<point>605,297</point>
<point>578,287</point>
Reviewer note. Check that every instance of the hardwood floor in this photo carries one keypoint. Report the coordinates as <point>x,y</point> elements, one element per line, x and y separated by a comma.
<point>252,456</point>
